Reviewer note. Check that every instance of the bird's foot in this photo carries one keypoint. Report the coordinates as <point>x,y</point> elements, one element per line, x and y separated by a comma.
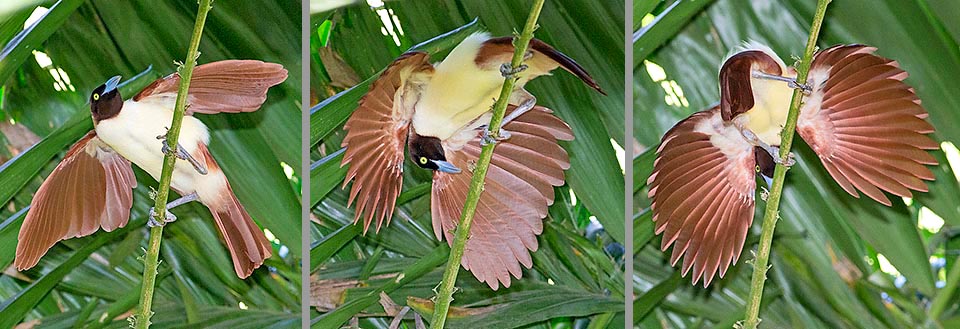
<point>789,161</point>
<point>509,72</point>
<point>487,137</point>
<point>805,88</point>
<point>154,222</point>
<point>182,154</point>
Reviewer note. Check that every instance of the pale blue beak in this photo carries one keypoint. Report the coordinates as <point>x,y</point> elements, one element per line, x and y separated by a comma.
<point>111,84</point>
<point>446,167</point>
<point>768,180</point>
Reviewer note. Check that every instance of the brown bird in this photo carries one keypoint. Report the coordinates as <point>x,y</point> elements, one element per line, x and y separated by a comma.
<point>91,188</point>
<point>440,112</point>
<point>864,123</point>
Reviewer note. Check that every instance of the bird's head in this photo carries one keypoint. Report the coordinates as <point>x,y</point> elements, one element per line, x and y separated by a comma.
<point>765,165</point>
<point>736,91</point>
<point>427,152</point>
<point>105,100</point>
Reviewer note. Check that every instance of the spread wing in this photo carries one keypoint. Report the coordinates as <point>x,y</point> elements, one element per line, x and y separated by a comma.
<point>518,189</point>
<point>376,135</point>
<point>225,86</point>
<point>865,124</point>
<point>543,59</point>
<point>702,187</point>
<point>91,188</point>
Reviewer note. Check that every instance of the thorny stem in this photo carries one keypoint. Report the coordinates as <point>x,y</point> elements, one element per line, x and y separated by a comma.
<point>771,213</point>
<point>150,262</point>
<point>445,295</point>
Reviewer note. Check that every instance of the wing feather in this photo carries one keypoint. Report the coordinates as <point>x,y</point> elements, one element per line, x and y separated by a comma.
<point>518,189</point>
<point>376,136</point>
<point>866,125</point>
<point>90,189</point>
<point>702,189</point>
<point>229,86</point>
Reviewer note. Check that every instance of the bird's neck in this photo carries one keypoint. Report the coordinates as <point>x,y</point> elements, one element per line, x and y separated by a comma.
<point>769,112</point>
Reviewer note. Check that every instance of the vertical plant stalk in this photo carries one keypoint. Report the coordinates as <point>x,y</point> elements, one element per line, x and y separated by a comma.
<point>150,262</point>
<point>943,298</point>
<point>445,294</point>
<point>771,212</point>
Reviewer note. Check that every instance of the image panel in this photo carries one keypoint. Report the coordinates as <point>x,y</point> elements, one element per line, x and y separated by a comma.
<point>89,91</point>
<point>865,216</point>
<point>402,93</point>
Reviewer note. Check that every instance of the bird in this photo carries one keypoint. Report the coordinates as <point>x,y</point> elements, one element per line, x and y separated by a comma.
<point>91,188</point>
<point>439,112</point>
<point>865,124</point>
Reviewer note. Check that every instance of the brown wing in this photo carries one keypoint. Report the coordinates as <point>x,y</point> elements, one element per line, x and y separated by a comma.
<point>702,188</point>
<point>225,86</point>
<point>544,59</point>
<point>91,188</point>
<point>376,134</point>
<point>865,124</point>
<point>518,189</point>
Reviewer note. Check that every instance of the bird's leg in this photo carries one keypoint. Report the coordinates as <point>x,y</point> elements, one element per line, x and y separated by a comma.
<point>526,100</point>
<point>153,222</point>
<point>772,150</point>
<point>792,83</point>
<point>509,72</point>
<point>182,154</point>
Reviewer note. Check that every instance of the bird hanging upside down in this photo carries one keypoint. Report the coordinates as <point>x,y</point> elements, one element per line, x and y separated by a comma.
<point>864,123</point>
<point>92,187</point>
<point>440,113</point>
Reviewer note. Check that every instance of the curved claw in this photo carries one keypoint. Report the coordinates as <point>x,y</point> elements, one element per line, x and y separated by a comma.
<point>153,222</point>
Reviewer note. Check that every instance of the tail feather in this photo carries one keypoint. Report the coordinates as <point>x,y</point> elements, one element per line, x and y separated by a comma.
<point>246,242</point>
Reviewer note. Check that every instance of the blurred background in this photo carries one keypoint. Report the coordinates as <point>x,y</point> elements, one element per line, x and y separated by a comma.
<point>838,262</point>
<point>577,277</point>
<point>55,53</point>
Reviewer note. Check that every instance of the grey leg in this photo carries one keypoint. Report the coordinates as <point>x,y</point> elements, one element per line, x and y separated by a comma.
<point>152,222</point>
<point>527,102</point>
<point>772,150</point>
<point>182,154</point>
<point>792,83</point>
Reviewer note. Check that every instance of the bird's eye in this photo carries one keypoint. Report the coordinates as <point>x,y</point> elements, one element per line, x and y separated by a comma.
<point>758,168</point>
<point>96,97</point>
<point>423,160</point>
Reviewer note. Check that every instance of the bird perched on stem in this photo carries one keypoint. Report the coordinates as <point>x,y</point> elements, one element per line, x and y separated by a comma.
<point>439,112</point>
<point>863,122</point>
<point>92,187</point>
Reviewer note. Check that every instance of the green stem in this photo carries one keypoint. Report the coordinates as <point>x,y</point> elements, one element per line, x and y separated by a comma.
<point>150,261</point>
<point>943,298</point>
<point>445,295</point>
<point>771,213</point>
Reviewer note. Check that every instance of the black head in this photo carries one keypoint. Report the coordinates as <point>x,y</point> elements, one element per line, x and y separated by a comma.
<point>105,100</point>
<point>765,164</point>
<point>427,152</point>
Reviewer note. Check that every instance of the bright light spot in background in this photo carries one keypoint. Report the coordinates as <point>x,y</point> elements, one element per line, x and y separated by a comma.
<point>42,59</point>
<point>391,24</point>
<point>953,157</point>
<point>287,170</point>
<point>36,15</point>
<point>674,94</point>
<point>929,221</point>
<point>647,19</point>
<point>619,150</point>
<point>270,236</point>
<point>594,221</point>
<point>573,198</point>
<point>242,306</point>
<point>886,267</point>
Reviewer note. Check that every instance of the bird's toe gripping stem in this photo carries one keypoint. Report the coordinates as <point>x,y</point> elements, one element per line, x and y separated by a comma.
<point>153,220</point>
<point>182,154</point>
<point>509,72</point>
<point>486,137</point>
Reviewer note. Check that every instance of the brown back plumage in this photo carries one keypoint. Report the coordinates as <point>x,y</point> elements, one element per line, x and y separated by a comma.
<point>543,56</point>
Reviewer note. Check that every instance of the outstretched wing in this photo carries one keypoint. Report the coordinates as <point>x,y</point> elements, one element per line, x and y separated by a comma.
<point>702,188</point>
<point>229,86</point>
<point>91,188</point>
<point>518,189</point>
<point>865,124</point>
<point>376,134</point>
